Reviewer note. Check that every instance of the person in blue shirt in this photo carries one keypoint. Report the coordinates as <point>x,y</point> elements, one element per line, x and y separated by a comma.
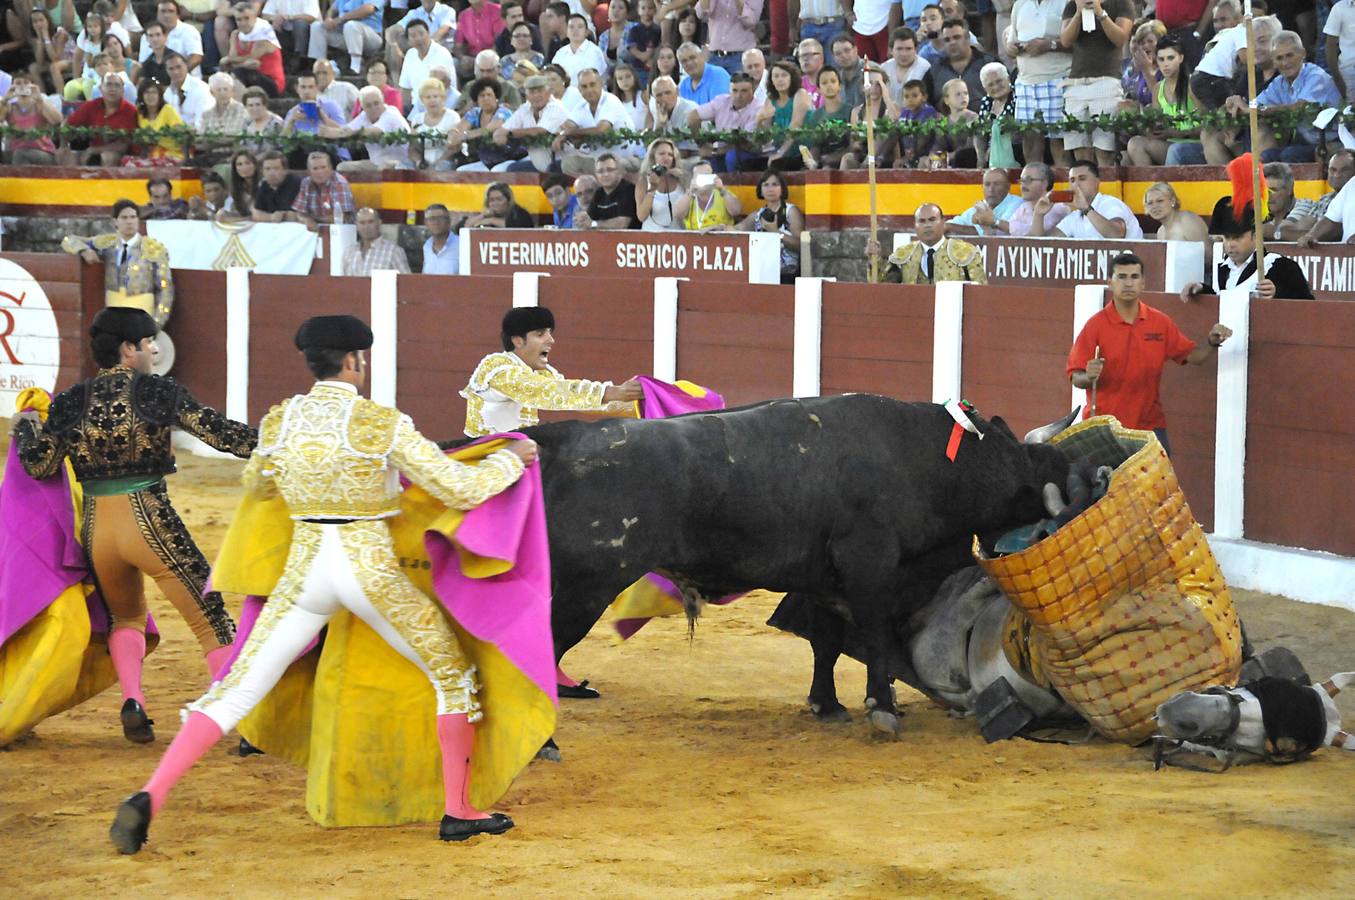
<point>442,250</point>
<point>701,83</point>
<point>355,24</point>
<point>563,203</point>
<point>1297,82</point>
<point>997,205</point>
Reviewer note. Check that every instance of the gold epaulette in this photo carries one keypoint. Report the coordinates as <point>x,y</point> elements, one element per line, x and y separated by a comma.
<point>898,257</point>
<point>371,428</point>
<point>270,428</point>
<point>962,253</point>
<point>103,241</point>
<point>154,251</point>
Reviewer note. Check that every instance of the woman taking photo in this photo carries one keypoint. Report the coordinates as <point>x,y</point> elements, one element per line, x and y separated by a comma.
<point>787,106</point>
<point>778,215</point>
<point>25,107</point>
<point>661,198</point>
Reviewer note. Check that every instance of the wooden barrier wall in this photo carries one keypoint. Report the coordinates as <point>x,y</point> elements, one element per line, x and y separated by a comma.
<point>738,339</point>
<point>877,339</point>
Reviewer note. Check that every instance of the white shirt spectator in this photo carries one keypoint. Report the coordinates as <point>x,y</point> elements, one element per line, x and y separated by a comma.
<point>342,94</point>
<point>1341,210</point>
<point>682,113</point>
<point>1221,59</point>
<point>898,79</point>
<point>184,40</point>
<point>385,155</point>
<point>292,8</point>
<point>432,149</point>
<point>552,119</point>
<point>588,56</point>
<point>448,262</point>
<point>441,15</point>
<point>194,100</point>
<point>414,71</point>
<point>1033,20</point>
<point>610,109</point>
<point>871,15</point>
<point>1077,225</point>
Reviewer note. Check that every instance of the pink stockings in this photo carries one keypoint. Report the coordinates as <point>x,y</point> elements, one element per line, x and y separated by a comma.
<point>562,678</point>
<point>127,646</point>
<point>217,659</point>
<point>196,737</point>
<point>456,737</point>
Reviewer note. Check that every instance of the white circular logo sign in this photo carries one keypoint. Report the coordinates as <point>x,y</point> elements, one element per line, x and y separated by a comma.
<point>30,346</point>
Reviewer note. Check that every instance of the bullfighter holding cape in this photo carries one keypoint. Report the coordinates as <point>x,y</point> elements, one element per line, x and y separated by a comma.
<point>323,488</point>
<point>115,430</point>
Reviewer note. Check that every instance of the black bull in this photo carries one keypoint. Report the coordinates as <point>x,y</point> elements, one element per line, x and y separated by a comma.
<point>847,500</point>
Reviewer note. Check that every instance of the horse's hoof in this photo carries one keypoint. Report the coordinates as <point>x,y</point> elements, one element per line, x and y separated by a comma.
<point>550,751</point>
<point>887,722</point>
<point>830,714</point>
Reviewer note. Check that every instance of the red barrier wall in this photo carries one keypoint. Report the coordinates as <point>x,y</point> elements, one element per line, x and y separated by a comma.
<point>198,329</point>
<point>1190,398</point>
<point>877,338</point>
<point>737,339</point>
<point>1301,425</point>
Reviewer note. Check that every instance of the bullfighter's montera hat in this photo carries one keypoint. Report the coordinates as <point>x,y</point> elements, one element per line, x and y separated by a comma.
<point>1236,213</point>
<point>126,323</point>
<point>522,320</point>
<point>346,333</point>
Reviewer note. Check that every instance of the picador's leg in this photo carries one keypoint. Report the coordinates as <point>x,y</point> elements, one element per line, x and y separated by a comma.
<point>828,632</point>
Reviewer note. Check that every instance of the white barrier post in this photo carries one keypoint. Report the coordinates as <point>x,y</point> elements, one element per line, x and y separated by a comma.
<point>947,341</point>
<point>237,343</point>
<point>1230,420</point>
<point>341,237</point>
<point>1088,300</point>
<point>665,328</point>
<point>527,288</point>
<point>808,355</point>
<point>384,336</point>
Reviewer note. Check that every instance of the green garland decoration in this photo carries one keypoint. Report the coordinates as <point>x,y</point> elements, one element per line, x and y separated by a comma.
<point>1283,123</point>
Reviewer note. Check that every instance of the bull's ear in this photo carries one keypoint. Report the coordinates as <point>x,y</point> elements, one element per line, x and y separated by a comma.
<point>1001,425</point>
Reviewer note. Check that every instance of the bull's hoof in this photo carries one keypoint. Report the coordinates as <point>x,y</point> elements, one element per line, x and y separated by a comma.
<point>830,712</point>
<point>887,722</point>
<point>550,751</point>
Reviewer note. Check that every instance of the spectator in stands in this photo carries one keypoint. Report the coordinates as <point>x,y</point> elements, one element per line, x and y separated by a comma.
<point>434,121</point>
<point>512,13</point>
<point>117,58</point>
<point>378,76</point>
<point>1219,75</point>
<point>957,147</point>
<point>597,114</point>
<point>613,204</point>
<point>423,55</point>
<point>558,83</point>
<point>521,49</point>
<point>1177,224</point>
<point>1284,278</point>
<point>554,21</point>
<point>585,187</point>
<point>904,64</point>
<point>52,50</point>
<point>372,252</point>
<point>667,110</point>
<point>931,48</point>
<point>108,111</point>
<point>872,21</point>
<point>332,88</point>
<point>1138,73</point>
<point>325,196</point>
<point>224,121</point>
<point>179,36</point>
<point>88,43</point>
<point>821,20</point>
<point>1285,209</point>
<point>188,95</point>
<point>712,206</point>
<point>614,39</point>
<point>786,107</point>
<point>811,59</point>
<point>293,18</point>
<point>624,84</point>
<point>563,203</point>
<point>479,122</point>
<point>310,113</point>
<point>163,204</point>
<point>688,29</point>
<point>1186,21</point>
<point>580,53</point>
<point>994,145</point>
<point>998,204</point>
<point>734,111</point>
<point>154,50</point>
<point>487,65</point>
<point>376,120</point>
<point>1340,168</point>
<point>755,67</point>
<point>1340,33</point>
<point>277,190</point>
<point>501,209</point>
<point>1095,215</point>
<point>261,120</point>
<point>1298,82</point>
<point>827,154</point>
<point>542,114</point>
<point>200,15</point>
<point>1037,201</point>
<point>213,199</point>
<point>665,65</point>
<point>442,250</point>
<point>732,30</point>
<point>962,61</point>
<point>476,29</point>
<point>880,108</point>
<point>778,215</point>
<point>354,25</point>
<point>153,112</point>
<point>1093,87</point>
<point>242,183</point>
<point>440,20</point>
<point>914,150</point>
<point>851,70</point>
<point>661,199</point>
<point>25,107</point>
<point>645,38</point>
<point>702,83</point>
<point>1172,96</point>
<point>255,55</point>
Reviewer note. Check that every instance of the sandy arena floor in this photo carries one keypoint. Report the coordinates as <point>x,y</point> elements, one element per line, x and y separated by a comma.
<point>699,774</point>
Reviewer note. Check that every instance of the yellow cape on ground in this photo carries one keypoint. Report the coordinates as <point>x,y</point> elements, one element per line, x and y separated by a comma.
<point>54,662</point>
<point>359,716</point>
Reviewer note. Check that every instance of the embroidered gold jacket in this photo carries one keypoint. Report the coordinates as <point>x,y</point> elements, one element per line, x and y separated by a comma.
<point>505,393</point>
<point>334,455</point>
<point>956,260</point>
<point>144,281</point>
<point>118,423</point>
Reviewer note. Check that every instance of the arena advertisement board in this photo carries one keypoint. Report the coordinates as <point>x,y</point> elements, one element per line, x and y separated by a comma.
<point>30,345</point>
<point>1330,268</point>
<point>747,257</point>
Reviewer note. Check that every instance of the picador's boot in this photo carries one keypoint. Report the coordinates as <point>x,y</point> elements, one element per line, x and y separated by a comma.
<point>131,823</point>
<point>136,725</point>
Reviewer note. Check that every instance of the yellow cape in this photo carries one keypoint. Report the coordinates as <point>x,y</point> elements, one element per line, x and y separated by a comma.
<point>359,716</point>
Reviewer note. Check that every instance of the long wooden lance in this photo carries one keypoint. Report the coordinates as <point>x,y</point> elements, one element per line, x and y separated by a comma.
<point>1254,125</point>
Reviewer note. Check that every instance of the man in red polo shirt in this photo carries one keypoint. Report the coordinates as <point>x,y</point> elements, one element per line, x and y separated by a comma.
<point>108,111</point>
<point>1135,341</point>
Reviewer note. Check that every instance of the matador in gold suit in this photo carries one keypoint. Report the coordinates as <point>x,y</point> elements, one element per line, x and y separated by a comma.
<point>336,460</point>
<point>136,267</point>
<point>115,429</point>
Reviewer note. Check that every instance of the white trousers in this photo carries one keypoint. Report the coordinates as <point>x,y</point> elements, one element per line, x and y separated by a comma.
<point>358,37</point>
<point>321,580</point>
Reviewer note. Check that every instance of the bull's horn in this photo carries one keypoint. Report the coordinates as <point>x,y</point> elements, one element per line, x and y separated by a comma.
<point>1042,434</point>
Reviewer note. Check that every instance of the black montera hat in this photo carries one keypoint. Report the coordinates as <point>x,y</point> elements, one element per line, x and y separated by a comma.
<point>1228,222</point>
<point>346,333</point>
<point>517,322</point>
<point>126,323</point>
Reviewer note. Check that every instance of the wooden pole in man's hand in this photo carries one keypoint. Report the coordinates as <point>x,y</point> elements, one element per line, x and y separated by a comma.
<point>874,275</point>
<point>1096,356</point>
<point>1254,126</point>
